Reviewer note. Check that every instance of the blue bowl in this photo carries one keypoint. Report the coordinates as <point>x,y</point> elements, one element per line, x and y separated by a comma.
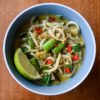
<point>87,34</point>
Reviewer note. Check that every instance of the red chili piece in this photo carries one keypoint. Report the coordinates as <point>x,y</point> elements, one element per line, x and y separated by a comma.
<point>38,30</point>
<point>67,70</point>
<point>49,61</point>
<point>69,48</point>
<point>75,57</point>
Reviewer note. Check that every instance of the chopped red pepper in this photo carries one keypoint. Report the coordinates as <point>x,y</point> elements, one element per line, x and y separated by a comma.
<point>75,57</point>
<point>49,61</point>
<point>51,19</point>
<point>38,30</point>
<point>69,48</point>
<point>67,70</point>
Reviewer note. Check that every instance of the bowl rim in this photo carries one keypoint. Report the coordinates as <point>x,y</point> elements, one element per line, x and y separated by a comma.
<point>44,4</point>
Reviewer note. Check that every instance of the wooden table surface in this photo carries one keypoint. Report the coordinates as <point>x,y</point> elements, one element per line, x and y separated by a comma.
<point>88,90</point>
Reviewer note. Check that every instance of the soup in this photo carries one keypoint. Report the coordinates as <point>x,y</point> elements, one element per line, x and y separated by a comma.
<point>49,49</point>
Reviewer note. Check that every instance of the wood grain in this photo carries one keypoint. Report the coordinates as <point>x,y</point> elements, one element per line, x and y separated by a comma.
<point>88,90</point>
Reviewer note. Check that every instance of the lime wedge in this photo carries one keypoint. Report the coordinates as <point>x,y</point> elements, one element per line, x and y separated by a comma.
<point>24,67</point>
